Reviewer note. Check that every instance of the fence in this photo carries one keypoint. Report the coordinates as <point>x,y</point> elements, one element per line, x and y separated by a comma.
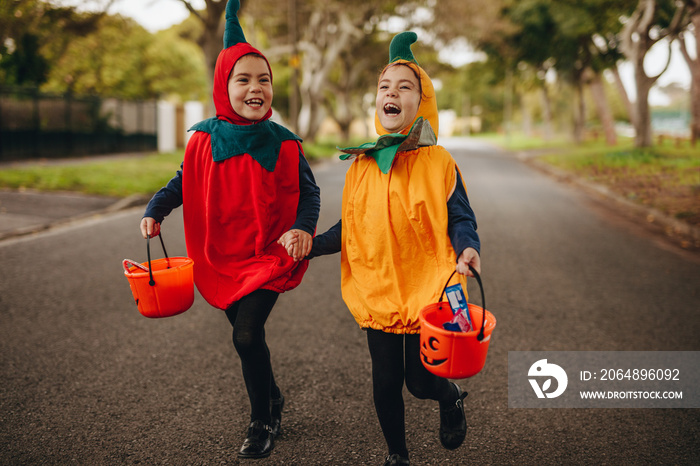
<point>34,125</point>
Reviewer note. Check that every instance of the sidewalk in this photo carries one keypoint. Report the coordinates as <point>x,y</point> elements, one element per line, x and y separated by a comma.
<point>26,212</point>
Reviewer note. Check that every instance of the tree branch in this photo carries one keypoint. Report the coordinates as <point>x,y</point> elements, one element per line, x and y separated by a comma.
<point>684,50</point>
<point>668,62</point>
<point>647,16</point>
<point>679,22</point>
<point>192,10</point>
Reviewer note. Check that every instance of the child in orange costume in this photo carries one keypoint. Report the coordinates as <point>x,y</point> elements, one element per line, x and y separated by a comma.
<point>406,224</point>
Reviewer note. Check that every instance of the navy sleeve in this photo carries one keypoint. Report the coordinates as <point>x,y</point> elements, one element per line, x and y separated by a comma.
<point>167,199</point>
<point>461,222</point>
<point>328,242</point>
<point>309,199</point>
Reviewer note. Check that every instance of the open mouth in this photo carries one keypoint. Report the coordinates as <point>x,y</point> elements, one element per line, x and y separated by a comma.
<point>391,109</point>
<point>254,102</point>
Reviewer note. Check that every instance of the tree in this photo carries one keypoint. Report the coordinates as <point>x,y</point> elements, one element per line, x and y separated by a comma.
<point>651,21</point>
<point>564,35</point>
<point>121,59</point>
<point>34,35</point>
<point>350,82</point>
<point>694,66</point>
<point>212,35</point>
<point>329,29</point>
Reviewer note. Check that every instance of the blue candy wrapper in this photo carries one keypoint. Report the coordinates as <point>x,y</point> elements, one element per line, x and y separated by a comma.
<point>461,322</point>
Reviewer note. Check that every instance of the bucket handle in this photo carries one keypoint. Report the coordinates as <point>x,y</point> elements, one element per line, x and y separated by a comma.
<point>480,336</point>
<point>148,252</point>
<point>128,263</point>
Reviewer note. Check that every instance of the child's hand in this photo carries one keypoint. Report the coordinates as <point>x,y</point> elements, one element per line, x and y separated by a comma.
<point>289,239</point>
<point>468,257</point>
<point>297,243</point>
<point>149,227</point>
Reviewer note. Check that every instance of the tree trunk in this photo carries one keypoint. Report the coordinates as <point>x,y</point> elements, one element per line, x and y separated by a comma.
<point>527,116</point>
<point>640,33</point>
<point>321,45</point>
<point>546,113</point>
<point>694,66</point>
<point>579,109</point>
<point>343,114</point>
<point>643,136</point>
<point>623,94</point>
<point>602,107</point>
<point>212,39</point>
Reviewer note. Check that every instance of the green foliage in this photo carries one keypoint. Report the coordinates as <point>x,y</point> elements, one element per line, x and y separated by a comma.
<point>33,34</point>
<point>24,66</point>
<point>121,59</point>
<point>63,50</point>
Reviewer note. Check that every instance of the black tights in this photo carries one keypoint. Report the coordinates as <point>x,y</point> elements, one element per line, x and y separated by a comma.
<point>248,317</point>
<point>388,373</point>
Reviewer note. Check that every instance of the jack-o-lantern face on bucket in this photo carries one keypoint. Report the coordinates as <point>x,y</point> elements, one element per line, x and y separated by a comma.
<point>431,352</point>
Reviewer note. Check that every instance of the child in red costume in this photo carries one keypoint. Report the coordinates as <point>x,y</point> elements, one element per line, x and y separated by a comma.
<point>246,188</point>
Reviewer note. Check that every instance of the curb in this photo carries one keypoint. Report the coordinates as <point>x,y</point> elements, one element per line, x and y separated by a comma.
<point>669,224</point>
<point>122,204</point>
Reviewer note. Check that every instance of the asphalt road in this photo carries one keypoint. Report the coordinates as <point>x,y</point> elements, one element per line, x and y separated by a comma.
<point>87,380</point>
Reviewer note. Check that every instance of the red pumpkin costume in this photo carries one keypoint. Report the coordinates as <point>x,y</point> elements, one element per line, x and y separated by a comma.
<point>240,188</point>
<point>244,184</point>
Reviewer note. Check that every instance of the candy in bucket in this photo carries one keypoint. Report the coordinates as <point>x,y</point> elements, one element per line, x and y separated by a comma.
<point>455,355</point>
<point>462,321</point>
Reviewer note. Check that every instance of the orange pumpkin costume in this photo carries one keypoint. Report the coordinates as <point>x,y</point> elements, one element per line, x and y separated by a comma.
<point>396,251</point>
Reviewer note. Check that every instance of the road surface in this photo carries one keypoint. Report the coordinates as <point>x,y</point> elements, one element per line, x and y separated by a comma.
<point>87,380</point>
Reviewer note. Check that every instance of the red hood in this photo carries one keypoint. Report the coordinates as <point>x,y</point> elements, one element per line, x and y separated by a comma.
<point>224,65</point>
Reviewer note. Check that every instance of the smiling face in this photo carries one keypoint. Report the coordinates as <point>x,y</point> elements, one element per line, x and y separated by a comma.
<point>398,98</point>
<point>250,87</point>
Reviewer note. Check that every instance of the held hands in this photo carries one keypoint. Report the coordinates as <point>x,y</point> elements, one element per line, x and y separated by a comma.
<point>468,257</point>
<point>149,227</point>
<point>297,243</point>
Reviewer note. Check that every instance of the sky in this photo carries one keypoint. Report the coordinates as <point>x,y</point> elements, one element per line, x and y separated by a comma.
<point>155,15</point>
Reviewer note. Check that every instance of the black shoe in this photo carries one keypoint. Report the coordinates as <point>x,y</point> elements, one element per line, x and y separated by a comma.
<point>276,407</point>
<point>396,459</point>
<point>453,424</point>
<point>259,442</point>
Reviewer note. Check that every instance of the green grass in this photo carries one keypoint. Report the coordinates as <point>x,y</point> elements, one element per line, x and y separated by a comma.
<point>595,159</point>
<point>117,178</point>
<point>327,148</point>
<point>665,176</point>
<point>121,177</point>
<point>519,141</point>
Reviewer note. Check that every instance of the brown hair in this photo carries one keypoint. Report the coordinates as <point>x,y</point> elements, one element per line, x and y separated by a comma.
<point>415,73</point>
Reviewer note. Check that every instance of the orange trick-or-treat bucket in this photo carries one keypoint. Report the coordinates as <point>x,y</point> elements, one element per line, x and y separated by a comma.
<point>163,287</point>
<point>450,354</point>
